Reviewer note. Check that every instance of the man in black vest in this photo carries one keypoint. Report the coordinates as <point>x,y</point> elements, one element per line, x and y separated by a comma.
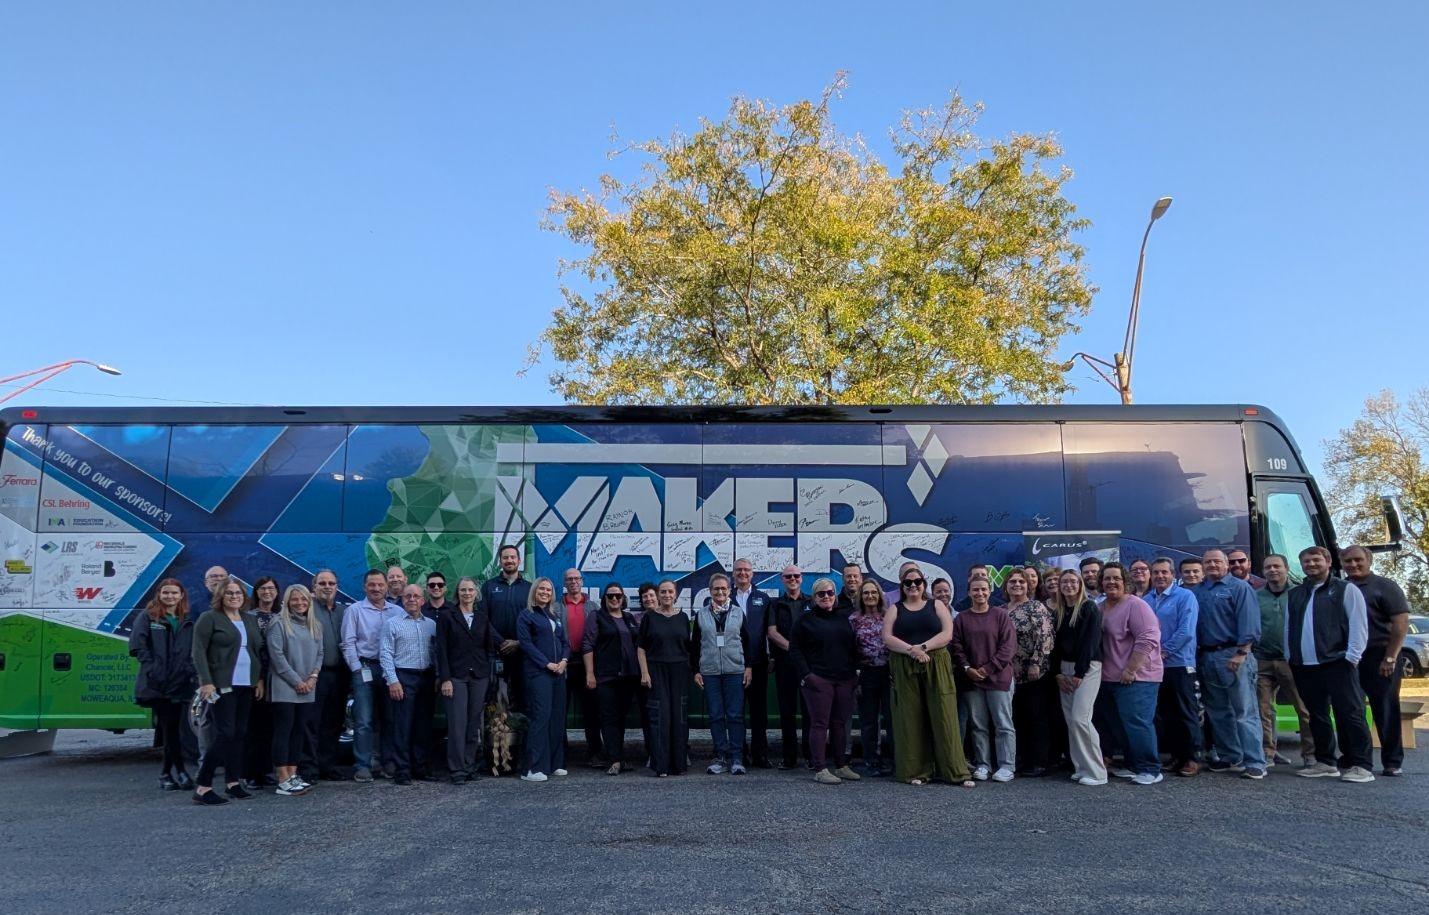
<point>784,612</point>
<point>1379,668</point>
<point>1325,634</point>
<point>755,605</point>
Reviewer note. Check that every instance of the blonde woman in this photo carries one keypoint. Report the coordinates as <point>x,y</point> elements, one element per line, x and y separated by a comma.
<point>1077,658</point>
<point>295,658</point>
<point>546,649</point>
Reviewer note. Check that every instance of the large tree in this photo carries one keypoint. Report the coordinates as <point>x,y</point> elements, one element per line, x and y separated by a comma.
<point>1383,452</point>
<point>769,258</point>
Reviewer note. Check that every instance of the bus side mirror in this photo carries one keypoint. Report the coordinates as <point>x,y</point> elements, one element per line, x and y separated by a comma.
<point>1393,524</point>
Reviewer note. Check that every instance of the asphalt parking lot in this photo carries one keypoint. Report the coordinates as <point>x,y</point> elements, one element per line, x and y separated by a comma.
<point>85,830</point>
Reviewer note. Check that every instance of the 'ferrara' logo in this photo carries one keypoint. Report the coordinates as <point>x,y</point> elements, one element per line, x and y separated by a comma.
<point>11,479</point>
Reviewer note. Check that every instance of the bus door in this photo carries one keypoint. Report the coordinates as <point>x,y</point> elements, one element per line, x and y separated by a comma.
<point>1289,519</point>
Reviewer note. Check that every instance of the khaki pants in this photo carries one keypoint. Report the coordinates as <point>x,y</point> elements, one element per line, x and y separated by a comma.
<point>927,737</point>
<point>1082,738</point>
<point>1273,676</point>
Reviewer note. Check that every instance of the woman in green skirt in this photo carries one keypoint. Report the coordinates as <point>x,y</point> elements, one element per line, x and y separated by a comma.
<point>927,739</point>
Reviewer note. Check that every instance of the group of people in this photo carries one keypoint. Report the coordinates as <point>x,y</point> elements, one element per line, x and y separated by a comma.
<point>1094,671</point>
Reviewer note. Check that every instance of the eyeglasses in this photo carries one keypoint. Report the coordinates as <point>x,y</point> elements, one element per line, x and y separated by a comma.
<point>436,585</point>
<point>913,582</point>
<point>823,594</point>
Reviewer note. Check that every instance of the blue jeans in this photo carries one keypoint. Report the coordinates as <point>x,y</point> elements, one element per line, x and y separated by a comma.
<point>1134,721</point>
<point>1233,709</point>
<point>369,712</point>
<point>724,699</point>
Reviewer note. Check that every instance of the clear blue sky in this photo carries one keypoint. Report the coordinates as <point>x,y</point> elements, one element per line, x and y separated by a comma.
<point>324,203</point>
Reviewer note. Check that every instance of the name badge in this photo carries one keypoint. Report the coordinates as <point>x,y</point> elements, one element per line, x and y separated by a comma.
<point>225,691</point>
<point>719,641</point>
<point>366,675</point>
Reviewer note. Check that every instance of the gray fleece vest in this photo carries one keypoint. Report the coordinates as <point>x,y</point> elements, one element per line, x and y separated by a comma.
<point>730,658</point>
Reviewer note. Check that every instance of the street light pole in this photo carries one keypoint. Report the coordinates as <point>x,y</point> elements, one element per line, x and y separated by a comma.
<point>48,372</point>
<point>1124,360</point>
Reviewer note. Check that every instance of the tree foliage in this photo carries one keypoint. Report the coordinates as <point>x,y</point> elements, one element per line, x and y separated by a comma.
<point>1383,452</point>
<point>768,258</point>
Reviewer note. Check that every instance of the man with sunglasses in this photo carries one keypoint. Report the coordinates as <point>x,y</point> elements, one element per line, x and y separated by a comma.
<point>577,607</point>
<point>434,601</point>
<point>784,613</point>
<point>755,605</point>
<point>1239,562</point>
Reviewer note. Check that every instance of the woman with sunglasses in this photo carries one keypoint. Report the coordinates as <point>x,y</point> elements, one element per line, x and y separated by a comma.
<point>824,652</point>
<point>1077,658</point>
<point>875,709</point>
<point>927,738</point>
<point>227,646</point>
<point>612,670</point>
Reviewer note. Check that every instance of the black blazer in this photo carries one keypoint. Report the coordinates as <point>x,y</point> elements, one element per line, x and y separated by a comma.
<point>465,653</point>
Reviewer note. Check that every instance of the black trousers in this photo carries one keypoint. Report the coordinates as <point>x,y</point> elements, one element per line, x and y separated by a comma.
<point>1178,714</point>
<point>756,695</point>
<point>412,723</point>
<point>669,726</point>
<point>587,705</point>
<point>258,745</point>
<point>331,700</point>
<point>1034,704</point>
<point>1383,695</point>
<point>786,693</point>
<point>875,715</point>
<point>614,699</point>
<point>230,728</point>
<point>169,727</point>
<point>1336,686</point>
<point>295,730</point>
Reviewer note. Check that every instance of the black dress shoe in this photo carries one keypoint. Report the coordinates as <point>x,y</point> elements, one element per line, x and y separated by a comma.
<point>786,765</point>
<point>762,762</point>
<point>267,781</point>
<point>209,799</point>
<point>333,775</point>
<point>167,783</point>
<point>401,780</point>
<point>1035,772</point>
<point>186,781</point>
<point>458,779</point>
<point>238,792</point>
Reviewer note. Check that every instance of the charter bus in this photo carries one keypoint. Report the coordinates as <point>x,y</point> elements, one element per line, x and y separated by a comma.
<point>98,504</point>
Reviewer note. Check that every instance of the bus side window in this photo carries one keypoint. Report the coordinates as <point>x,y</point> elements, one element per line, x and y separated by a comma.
<point>1290,530</point>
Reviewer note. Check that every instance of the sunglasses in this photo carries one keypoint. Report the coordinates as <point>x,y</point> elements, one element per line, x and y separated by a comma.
<point>913,582</point>
<point>790,577</point>
<point>823,594</point>
<point>613,596</point>
<point>435,585</point>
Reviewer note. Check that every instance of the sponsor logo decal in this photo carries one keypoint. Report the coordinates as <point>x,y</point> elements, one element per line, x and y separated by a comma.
<point>14,479</point>
<point>87,594</point>
<point>17,567</point>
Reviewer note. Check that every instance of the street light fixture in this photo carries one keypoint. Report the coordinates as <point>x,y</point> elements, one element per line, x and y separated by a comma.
<point>1124,359</point>
<point>48,372</point>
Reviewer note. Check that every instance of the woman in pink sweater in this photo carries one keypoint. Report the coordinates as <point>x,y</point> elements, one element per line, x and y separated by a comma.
<point>1131,674</point>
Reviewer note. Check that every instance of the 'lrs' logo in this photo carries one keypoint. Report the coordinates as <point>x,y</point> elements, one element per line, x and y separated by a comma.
<point>87,593</point>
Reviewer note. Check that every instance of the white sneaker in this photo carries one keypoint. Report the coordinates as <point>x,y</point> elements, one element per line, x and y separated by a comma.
<point>1319,770</point>
<point>980,773</point>
<point>1002,775</point>
<point>301,782</point>
<point>1091,782</point>
<point>560,773</point>
<point>1123,773</point>
<point>1358,775</point>
<point>534,777</point>
<point>1147,778</point>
